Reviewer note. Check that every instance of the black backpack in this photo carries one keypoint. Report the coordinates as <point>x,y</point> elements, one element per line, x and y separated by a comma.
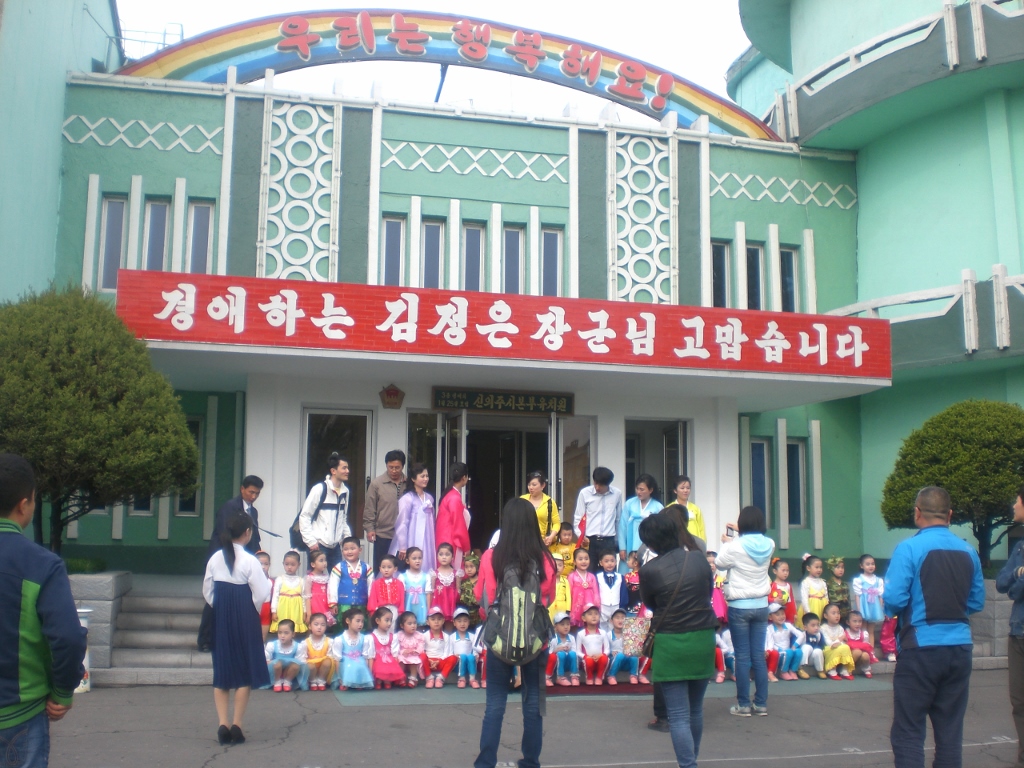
<point>295,534</point>
<point>518,626</point>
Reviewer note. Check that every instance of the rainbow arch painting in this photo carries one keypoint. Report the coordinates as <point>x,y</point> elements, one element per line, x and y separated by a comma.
<point>297,40</point>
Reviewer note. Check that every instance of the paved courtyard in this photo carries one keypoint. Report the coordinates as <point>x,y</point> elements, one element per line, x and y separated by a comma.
<point>841,724</point>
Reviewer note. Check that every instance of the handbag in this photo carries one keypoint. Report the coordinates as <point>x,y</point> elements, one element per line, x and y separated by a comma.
<point>634,633</point>
<point>648,647</point>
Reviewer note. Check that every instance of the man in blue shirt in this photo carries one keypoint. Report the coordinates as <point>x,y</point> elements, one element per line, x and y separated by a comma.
<point>933,584</point>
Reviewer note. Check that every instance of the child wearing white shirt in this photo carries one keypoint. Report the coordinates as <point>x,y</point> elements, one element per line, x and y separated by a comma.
<point>562,653</point>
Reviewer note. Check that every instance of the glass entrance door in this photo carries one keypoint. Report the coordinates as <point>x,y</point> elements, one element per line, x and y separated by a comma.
<point>573,436</point>
<point>348,433</point>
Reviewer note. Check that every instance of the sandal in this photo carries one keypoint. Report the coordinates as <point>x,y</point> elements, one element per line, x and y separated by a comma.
<point>462,682</point>
<point>633,680</point>
<point>439,682</point>
<point>430,682</point>
<point>473,683</point>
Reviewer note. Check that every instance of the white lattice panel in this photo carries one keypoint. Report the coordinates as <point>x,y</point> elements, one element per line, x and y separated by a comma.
<point>136,134</point>
<point>441,158</point>
<point>778,190</point>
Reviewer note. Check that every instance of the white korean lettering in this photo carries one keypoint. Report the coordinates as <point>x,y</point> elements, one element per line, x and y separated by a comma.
<point>643,339</point>
<point>500,313</point>
<point>730,338</point>
<point>282,310</point>
<point>332,319</point>
<point>408,305</point>
<point>182,304</point>
<point>852,343</point>
<point>230,308</point>
<point>596,337</point>
<point>821,348</point>
<point>454,319</point>
<point>773,343</point>
<point>552,328</point>
<point>693,346</point>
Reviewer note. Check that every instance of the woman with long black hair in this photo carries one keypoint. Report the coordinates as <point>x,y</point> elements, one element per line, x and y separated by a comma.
<point>236,587</point>
<point>452,515</point>
<point>521,549</point>
<point>415,524</point>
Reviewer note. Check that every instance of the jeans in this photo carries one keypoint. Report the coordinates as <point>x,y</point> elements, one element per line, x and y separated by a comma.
<point>1015,659</point>
<point>748,627</point>
<point>684,701</point>
<point>930,683</point>
<point>26,745</point>
<point>499,679</point>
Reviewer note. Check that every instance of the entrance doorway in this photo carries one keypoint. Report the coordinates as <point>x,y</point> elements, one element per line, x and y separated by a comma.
<point>347,433</point>
<point>657,448</point>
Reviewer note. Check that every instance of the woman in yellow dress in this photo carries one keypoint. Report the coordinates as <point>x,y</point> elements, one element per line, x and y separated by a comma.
<point>547,511</point>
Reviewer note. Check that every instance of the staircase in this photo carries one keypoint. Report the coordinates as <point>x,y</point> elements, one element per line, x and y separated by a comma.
<point>154,642</point>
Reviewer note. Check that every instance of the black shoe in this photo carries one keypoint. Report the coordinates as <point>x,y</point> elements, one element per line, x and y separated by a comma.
<point>237,737</point>
<point>223,735</point>
<point>659,724</point>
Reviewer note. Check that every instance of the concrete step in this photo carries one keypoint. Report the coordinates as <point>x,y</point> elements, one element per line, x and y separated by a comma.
<point>125,676</point>
<point>179,658</point>
<point>182,622</point>
<point>147,638</point>
<point>157,604</point>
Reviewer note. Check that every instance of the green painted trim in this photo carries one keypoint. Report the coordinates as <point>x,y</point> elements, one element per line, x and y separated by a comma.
<point>689,224</point>
<point>144,559</point>
<point>593,234</point>
<point>1004,206</point>
<point>356,129</point>
<point>243,229</point>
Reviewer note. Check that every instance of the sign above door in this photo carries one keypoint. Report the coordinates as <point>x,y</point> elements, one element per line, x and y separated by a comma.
<point>497,401</point>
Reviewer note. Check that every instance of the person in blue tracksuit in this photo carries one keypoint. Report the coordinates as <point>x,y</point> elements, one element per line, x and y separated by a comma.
<point>932,586</point>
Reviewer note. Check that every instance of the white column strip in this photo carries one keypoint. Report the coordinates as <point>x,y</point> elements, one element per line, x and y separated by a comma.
<point>224,203</point>
<point>746,492</point>
<point>533,236</point>
<point>117,523</point>
<point>71,532</point>
<point>739,260</point>
<point>454,244</point>
<point>209,466</point>
<point>775,268</point>
<point>336,170</point>
<point>706,271</point>
<point>134,222</point>
<point>817,496</point>
<point>573,230</point>
<point>261,229</point>
<point>92,218</point>
<point>179,203</point>
<point>163,517</point>
<point>673,174</point>
<point>494,259</point>
<point>415,241</point>
<point>810,274</point>
<point>373,235</point>
<point>611,220</point>
<point>782,482</point>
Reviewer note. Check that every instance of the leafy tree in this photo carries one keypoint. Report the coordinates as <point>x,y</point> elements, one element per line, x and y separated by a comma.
<point>81,401</point>
<point>974,450</point>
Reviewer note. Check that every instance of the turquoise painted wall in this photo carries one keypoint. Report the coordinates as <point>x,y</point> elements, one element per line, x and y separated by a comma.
<point>755,89</point>
<point>35,66</point>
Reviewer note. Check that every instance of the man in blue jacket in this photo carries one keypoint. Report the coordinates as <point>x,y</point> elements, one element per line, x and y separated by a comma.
<point>42,643</point>
<point>933,584</point>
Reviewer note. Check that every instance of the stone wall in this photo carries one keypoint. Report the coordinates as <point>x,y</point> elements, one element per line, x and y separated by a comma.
<point>991,626</point>
<point>101,592</point>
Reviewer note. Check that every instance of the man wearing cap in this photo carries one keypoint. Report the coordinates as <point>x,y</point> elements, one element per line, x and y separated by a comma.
<point>438,658</point>
<point>464,647</point>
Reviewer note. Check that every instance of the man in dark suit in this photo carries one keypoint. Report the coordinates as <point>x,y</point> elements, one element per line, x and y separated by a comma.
<point>243,502</point>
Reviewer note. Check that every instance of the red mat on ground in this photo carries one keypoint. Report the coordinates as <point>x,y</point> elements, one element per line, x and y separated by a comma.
<point>618,690</point>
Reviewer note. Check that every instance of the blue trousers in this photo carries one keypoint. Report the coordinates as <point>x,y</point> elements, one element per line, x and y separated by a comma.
<point>499,680</point>
<point>467,665</point>
<point>26,745</point>
<point>789,661</point>
<point>622,661</point>
<point>568,663</point>
<point>748,627</point>
<point>684,702</point>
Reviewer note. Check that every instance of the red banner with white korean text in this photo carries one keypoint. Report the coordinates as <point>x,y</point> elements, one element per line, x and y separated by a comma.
<point>165,306</point>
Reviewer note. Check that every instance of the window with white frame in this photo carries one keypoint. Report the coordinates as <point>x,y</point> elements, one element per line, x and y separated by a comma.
<point>755,277</point>
<point>433,245</point>
<point>512,263</point>
<point>761,476</point>
<point>790,278</point>
<point>155,234</point>
<point>551,262</point>
<point>472,257</point>
<point>141,507</point>
<point>719,274</point>
<point>796,482</point>
<point>393,252</point>
<point>200,238</point>
<point>112,241</point>
<point>191,505</point>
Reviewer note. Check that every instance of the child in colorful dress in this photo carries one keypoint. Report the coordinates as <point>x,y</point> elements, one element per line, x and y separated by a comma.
<point>320,665</point>
<point>592,645</point>
<point>611,588</point>
<point>838,659</point>
<point>464,648</point>
<point>838,590</point>
<point>446,582</point>
<point>813,648</point>
<point>438,658</point>
<point>563,660</point>
<point>418,585</point>
<point>781,592</point>
<point>348,586</point>
<point>717,595</point>
<point>617,651</point>
<point>862,650</point>
<point>383,652</point>
<point>264,558</point>
<point>351,649</point>
<point>563,594</point>
<point>813,590</point>
<point>286,659</point>
<point>386,590</point>
<point>410,647</point>
<point>785,640</point>
<point>583,588</point>
<point>631,580</point>
<point>286,598</point>
<point>467,588</point>
<point>725,655</point>
<point>565,547</point>
<point>868,590</point>
<point>314,589</point>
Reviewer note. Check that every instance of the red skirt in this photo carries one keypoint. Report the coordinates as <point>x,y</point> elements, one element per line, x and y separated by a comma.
<point>265,614</point>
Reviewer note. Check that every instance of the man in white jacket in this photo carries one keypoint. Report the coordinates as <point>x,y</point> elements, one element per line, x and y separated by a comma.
<point>323,521</point>
<point>746,557</point>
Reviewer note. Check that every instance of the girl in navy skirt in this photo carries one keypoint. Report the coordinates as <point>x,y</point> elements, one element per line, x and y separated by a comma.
<point>236,587</point>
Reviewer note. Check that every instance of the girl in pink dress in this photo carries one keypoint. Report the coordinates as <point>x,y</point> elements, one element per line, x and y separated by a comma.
<point>386,669</point>
<point>583,587</point>
<point>446,582</point>
<point>314,591</point>
<point>453,517</point>
<point>410,646</point>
